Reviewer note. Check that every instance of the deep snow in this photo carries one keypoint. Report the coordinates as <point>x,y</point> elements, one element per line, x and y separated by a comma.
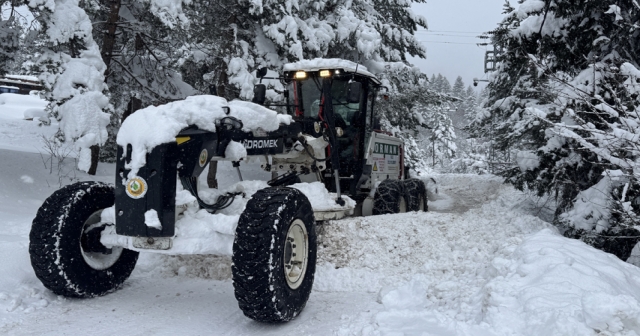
<point>477,264</point>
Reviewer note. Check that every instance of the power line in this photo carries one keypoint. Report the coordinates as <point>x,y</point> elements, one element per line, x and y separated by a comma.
<point>450,31</point>
<point>434,34</point>
<point>447,42</point>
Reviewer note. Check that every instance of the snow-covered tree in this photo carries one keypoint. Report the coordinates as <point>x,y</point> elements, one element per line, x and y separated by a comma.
<point>72,72</point>
<point>236,37</point>
<point>140,46</point>
<point>9,35</point>
<point>440,133</point>
<point>458,90</point>
<point>143,46</point>
<point>566,95</point>
<point>410,111</point>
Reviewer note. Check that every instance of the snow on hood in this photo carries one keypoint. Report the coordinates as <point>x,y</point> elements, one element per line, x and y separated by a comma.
<point>156,125</point>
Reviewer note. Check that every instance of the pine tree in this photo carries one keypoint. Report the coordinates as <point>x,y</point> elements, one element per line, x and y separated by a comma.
<point>458,90</point>
<point>470,105</point>
<point>446,86</point>
<point>441,133</point>
<point>566,95</point>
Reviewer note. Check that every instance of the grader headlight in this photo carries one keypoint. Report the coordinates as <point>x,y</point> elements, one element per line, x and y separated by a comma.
<point>325,73</point>
<point>301,75</point>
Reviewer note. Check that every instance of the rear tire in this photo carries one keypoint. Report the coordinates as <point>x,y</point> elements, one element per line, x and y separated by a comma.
<point>416,195</point>
<point>389,198</point>
<point>58,237</point>
<point>274,255</point>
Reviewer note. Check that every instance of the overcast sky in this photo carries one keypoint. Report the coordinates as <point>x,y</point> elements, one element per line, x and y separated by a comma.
<point>450,40</point>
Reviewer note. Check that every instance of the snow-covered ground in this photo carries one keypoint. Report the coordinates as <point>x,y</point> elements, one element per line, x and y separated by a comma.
<point>479,263</point>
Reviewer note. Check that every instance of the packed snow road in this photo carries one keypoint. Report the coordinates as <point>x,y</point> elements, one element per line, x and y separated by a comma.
<point>476,264</point>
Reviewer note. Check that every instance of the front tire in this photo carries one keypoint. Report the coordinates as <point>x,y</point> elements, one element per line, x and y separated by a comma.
<point>274,255</point>
<point>68,259</point>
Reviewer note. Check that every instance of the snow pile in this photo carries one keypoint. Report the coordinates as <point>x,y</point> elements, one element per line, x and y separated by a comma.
<point>35,113</point>
<point>446,251</point>
<point>15,106</point>
<point>17,133</point>
<point>544,284</point>
<point>155,125</point>
<point>551,285</point>
<point>321,199</point>
<point>514,281</point>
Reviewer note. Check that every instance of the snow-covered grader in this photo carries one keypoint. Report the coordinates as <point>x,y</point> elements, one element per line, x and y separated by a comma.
<point>86,237</point>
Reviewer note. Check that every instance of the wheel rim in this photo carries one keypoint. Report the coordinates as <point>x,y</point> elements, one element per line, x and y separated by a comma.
<point>421,202</point>
<point>296,254</point>
<point>403,205</point>
<point>96,260</point>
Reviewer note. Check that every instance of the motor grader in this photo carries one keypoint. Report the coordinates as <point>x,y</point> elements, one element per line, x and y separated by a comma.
<point>86,237</point>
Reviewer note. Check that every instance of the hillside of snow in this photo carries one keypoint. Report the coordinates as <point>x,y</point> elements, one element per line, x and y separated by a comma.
<point>478,263</point>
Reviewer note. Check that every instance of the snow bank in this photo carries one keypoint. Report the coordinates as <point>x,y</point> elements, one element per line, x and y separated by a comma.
<point>15,106</point>
<point>551,285</point>
<point>155,125</point>
<point>544,284</point>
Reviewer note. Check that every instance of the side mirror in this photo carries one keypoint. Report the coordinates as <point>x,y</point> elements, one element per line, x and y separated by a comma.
<point>353,96</point>
<point>261,72</point>
<point>259,93</point>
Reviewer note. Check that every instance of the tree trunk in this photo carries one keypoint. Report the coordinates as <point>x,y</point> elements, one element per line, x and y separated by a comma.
<point>95,155</point>
<point>109,41</point>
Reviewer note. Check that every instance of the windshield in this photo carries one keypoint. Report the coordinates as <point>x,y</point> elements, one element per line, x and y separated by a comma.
<point>305,97</point>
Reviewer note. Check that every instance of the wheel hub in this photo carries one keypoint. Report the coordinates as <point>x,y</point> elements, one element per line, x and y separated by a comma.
<point>296,254</point>
<point>96,255</point>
